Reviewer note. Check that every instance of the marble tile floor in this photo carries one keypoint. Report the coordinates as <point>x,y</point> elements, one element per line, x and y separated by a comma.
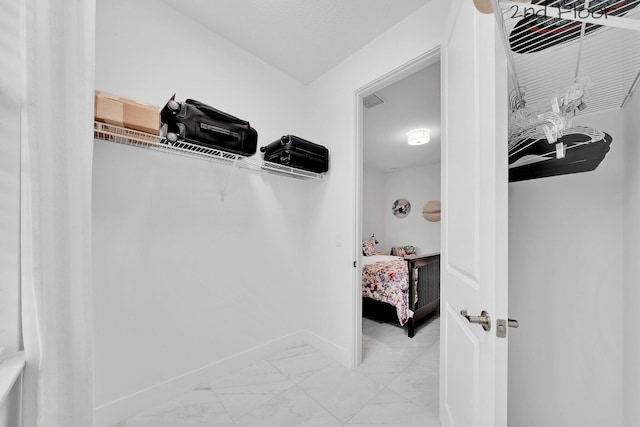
<point>396,385</point>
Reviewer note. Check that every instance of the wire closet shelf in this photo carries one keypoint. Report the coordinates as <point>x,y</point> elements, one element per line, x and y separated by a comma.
<point>120,135</point>
<point>551,44</point>
<point>566,58</point>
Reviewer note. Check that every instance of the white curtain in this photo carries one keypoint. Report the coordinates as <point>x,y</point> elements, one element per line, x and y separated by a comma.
<point>10,101</point>
<point>55,230</point>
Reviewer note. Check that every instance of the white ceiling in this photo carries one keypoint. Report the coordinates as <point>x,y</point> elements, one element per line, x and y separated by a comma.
<point>303,38</point>
<point>413,102</point>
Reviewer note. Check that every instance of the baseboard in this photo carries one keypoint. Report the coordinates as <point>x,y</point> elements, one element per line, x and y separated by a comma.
<point>117,410</point>
<point>340,354</point>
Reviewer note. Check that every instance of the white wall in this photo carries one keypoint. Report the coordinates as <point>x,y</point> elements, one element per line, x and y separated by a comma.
<point>10,85</point>
<point>373,207</point>
<point>565,288</point>
<point>184,280</point>
<point>418,186</point>
<point>330,314</point>
<point>381,189</point>
<point>631,293</point>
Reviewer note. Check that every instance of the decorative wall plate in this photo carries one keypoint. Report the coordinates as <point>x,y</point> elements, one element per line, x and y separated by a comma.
<point>401,208</point>
<point>431,211</point>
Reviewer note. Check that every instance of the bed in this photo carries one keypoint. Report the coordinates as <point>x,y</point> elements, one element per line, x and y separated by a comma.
<point>385,285</point>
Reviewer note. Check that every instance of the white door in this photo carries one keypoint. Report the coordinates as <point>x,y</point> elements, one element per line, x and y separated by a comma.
<point>473,369</point>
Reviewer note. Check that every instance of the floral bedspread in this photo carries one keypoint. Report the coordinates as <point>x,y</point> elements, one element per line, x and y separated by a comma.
<point>388,281</point>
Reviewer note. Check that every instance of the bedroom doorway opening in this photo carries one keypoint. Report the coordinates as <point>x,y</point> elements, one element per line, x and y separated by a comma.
<point>397,221</point>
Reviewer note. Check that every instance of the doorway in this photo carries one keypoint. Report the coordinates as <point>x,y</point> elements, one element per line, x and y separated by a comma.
<point>388,169</point>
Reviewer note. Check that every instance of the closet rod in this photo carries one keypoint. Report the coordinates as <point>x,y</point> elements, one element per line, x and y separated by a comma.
<point>571,15</point>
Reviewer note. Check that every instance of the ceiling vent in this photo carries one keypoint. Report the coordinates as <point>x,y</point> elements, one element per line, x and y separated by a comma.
<point>372,100</point>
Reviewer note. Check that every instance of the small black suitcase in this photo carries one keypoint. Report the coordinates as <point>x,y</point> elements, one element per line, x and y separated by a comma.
<point>197,123</point>
<point>297,153</point>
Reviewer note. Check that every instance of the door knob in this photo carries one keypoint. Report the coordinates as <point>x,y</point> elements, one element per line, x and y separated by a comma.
<point>483,319</point>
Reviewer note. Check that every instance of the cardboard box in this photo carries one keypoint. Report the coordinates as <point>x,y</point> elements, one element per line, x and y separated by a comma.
<point>127,113</point>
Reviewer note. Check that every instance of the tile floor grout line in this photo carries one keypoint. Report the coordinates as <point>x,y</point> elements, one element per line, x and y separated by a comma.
<point>321,405</point>
<point>221,402</point>
<point>234,419</point>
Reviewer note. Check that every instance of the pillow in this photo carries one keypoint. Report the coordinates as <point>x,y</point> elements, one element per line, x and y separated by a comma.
<point>397,251</point>
<point>367,248</point>
<point>403,250</point>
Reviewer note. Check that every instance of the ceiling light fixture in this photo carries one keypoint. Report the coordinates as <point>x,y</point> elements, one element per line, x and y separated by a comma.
<point>418,136</point>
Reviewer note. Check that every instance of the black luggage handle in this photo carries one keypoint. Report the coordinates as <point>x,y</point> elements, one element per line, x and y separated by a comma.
<point>283,142</point>
<point>214,112</point>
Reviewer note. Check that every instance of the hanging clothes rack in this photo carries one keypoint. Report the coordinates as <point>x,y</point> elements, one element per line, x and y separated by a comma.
<point>553,53</point>
<point>565,58</point>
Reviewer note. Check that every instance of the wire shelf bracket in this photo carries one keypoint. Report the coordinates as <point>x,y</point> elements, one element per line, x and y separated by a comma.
<point>223,192</point>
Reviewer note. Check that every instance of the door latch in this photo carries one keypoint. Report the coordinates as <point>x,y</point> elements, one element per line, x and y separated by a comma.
<point>484,319</point>
<point>501,327</point>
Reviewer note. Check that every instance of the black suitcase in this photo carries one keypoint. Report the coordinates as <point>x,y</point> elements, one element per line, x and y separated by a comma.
<point>197,123</point>
<point>297,153</point>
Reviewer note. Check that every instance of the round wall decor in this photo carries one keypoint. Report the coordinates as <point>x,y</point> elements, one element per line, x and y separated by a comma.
<point>431,211</point>
<point>401,208</point>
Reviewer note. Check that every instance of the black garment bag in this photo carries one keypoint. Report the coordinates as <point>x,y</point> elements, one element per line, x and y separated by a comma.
<point>580,157</point>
